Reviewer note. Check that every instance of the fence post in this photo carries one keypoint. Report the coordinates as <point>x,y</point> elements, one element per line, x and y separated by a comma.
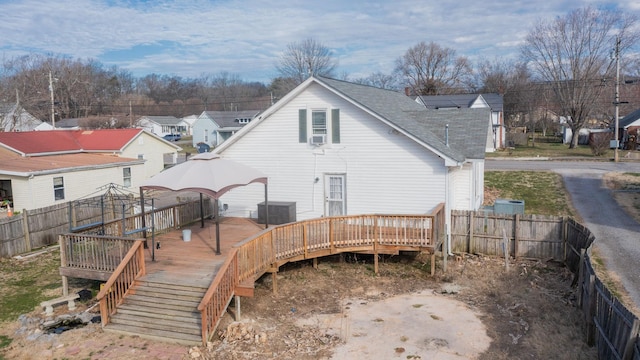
<point>25,230</point>
<point>516,227</point>
<point>633,337</point>
<point>581,276</point>
<point>591,311</point>
<point>471,218</point>
<point>63,263</point>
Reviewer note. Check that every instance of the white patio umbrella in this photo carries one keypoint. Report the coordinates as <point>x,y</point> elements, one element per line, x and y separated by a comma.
<point>209,174</point>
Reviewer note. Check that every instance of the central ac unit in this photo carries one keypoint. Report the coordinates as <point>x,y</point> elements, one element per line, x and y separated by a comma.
<point>318,139</point>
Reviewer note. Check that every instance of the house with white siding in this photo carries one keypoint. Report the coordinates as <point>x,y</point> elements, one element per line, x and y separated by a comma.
<point>43,168</point>
<point>214,127</point>
<point>163,125</point>
<point>339,148</point>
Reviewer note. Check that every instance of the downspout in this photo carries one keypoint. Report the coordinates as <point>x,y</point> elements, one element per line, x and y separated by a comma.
<point>447,212</point>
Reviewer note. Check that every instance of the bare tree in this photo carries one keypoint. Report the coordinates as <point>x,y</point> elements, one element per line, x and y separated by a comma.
<point>303,59</point>
<point>379,80</point>
<point>572,54</point>
<point>430,69</point>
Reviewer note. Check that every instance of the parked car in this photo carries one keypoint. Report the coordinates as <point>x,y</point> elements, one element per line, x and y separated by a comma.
<point>172,137</point>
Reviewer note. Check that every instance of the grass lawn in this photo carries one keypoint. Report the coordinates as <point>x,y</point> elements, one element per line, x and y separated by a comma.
<point>550,150</point>
<point>542,191</point>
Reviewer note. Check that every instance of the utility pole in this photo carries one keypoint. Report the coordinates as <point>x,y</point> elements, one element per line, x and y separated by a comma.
<point>617,100</point>
<point>130,115</point>
<point>53,108</point>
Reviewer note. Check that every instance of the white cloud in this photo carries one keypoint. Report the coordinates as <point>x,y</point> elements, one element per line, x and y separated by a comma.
<point>188,38</point>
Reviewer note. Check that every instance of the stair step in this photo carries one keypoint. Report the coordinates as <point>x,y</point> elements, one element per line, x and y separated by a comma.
<point>163,335</point>
<point>161,285</point>
<point>165,294</point>
<point>158,313</point>
<point>177,325</point>
<point>153,302</point>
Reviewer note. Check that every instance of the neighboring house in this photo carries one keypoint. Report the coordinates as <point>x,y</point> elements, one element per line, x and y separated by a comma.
<point>41,168</point>
<point>189,121</point>
<point>496,131</point>
<point>14,117</point>
<point>339,148</point>
<point>162,125</point>
<point>214,127</point>
<point>628,128</point>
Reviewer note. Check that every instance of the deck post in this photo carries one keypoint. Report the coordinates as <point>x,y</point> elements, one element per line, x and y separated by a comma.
<point>237,301</point>
<point>375,256</point>
<point>274,279</point>
<point>315,263</point>
<point>63,263</point>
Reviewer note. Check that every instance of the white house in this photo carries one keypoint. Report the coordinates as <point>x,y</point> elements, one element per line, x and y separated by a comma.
<point>496,132</point>
<point>162,125</point>
<point>14,117</point>
<point>42,168</point>
<point>335,148</point>
<point>188,122</point>
<point>214,127</point>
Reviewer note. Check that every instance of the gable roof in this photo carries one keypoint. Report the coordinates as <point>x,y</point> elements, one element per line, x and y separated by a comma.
<point>230,118</point>
<point>162,120</point>
<point>629,119</point>
<point>36,143</point>
<point>494,101</point>
<point>400,112</point>
<point>14,117</point>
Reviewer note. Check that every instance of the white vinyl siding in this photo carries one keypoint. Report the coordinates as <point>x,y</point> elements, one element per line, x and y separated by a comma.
<point>387,172</point>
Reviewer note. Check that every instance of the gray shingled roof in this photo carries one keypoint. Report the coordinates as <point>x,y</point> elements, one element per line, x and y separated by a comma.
<point>495,101</point>
<point>629,118</point>
<point>467,128</point>
<point>164,120</point>
<point>229,118</point>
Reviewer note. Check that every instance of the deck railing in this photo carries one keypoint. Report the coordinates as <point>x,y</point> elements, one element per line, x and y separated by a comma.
<point>217,298</point>
<point>117,287</point>
<point>92,252</point>
<point>331,235</point>
<point>164,219</point>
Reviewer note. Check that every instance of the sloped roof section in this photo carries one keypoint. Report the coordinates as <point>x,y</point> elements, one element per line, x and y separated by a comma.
<point>396,108</point>
<point>67,141</point>
<point>16,165</point>
<point>460,101</point>
<point>162,120</point>
<point>230,118</point>
<point>629,119</point>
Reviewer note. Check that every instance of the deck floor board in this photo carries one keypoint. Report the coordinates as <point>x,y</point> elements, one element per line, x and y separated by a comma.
<point>195,262</point>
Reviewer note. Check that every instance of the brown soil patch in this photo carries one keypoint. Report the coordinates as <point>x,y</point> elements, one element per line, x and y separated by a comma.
<point>528,312</point>
<point>626,192</point>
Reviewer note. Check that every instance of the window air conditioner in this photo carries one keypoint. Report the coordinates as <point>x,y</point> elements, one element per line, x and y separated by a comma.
<point>318,139</point>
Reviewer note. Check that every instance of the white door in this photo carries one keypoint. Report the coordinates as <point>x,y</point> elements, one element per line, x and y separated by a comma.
<point>334,195</point>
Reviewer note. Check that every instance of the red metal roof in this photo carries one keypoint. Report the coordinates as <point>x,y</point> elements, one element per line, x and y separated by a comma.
<point>68,141</point>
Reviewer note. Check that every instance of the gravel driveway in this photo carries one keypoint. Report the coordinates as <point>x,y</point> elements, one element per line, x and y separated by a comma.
<point>617,234</point>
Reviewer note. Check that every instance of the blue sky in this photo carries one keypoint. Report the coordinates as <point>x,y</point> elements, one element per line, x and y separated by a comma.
<point>190,38</point>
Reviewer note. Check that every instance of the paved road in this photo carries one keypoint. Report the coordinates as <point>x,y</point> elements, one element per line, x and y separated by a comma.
<point>617,234</point>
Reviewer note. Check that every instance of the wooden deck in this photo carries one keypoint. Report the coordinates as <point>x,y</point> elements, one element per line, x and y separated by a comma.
<point>195,262</point>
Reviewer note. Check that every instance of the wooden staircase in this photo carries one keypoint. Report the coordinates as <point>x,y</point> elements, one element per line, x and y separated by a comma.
<point>160,311</point>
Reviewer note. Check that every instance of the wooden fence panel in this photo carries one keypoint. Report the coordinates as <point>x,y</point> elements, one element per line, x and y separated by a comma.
<point>12,241</point>
<point>616,325</point>
<point>530,236</point>
<point>578,237</point>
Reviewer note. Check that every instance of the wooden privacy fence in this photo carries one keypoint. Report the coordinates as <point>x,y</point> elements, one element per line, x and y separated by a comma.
<point>33,229</point>
<point>527,236</point>
<point>608,323</point>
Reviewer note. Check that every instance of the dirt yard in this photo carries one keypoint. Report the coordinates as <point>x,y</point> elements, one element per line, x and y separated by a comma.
<point>477,310</point>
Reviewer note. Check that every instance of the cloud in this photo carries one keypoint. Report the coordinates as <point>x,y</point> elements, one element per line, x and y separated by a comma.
<point>188,38</point>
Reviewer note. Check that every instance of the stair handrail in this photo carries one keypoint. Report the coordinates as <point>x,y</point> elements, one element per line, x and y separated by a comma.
<point>219,295</point>
<point>117,287</point>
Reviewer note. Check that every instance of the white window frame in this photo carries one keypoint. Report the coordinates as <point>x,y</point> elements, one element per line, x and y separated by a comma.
<point>319,129</point>
<point>58,188</point>
<point>126,178</point>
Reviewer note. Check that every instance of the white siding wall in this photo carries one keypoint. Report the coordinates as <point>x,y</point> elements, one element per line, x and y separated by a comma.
<point>153,151</point>
<point>204,123</point>
<point>461,187</point>
<point>385,172</point>
<point>38,191</point>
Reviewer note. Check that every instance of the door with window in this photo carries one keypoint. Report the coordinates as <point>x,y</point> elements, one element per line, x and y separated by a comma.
<point>335,195</point>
